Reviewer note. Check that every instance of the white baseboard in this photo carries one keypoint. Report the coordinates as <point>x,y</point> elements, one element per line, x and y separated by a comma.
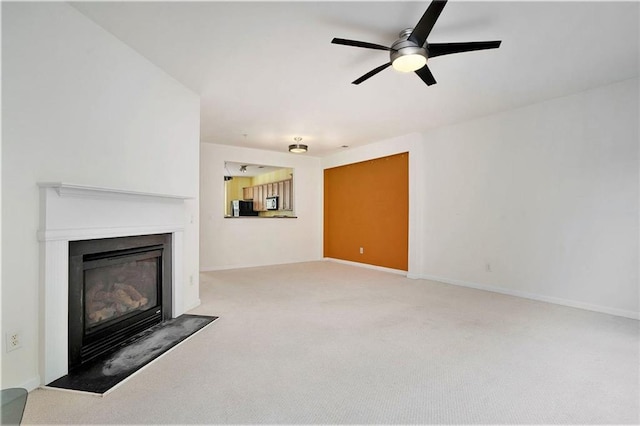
<point>555,300</point>
<point>367,266</point>
<point>538,297</point>
<point>31,384</point>
<point>256,265</point>
<point>193,306</point>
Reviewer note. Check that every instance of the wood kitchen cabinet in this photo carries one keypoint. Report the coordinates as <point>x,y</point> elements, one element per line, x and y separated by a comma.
<point>247,193</point>
<point>259,193</point>
<point>265,194</point>
<point>258,200</point>
<point>280,193</point>
<point>287,194</point>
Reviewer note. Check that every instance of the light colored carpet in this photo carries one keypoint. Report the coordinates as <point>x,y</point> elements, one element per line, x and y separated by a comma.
<point>328,343</point>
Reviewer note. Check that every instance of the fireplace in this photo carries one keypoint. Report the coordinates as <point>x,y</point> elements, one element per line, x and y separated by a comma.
<point>70,213</point>
<point>118,287</point>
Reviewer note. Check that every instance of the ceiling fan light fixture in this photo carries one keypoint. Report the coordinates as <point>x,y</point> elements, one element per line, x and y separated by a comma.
<point>298,148</point>
<point>409,63</point>
<point>411,51</point>
<point>407,56</point>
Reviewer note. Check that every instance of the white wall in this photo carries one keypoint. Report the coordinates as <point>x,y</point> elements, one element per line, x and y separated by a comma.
<point>245,242</point>
<point>546,194</point>
<point>79,106</point>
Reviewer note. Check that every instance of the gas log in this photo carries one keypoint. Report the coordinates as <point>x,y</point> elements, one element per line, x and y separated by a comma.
<point>102,304</point>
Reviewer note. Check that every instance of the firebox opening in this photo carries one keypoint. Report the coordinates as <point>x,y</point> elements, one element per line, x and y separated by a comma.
<point>118,287</point>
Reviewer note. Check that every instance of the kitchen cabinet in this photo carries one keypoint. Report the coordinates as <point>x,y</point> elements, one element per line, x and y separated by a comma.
<point>281,189</point>
<point>263,198</point>
<point>287,194</point>
<point>258,201</point>
<point>247,193</point>
<point>280,193</point>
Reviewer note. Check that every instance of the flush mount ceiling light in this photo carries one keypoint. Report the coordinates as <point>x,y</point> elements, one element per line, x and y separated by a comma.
<point>298,148</point>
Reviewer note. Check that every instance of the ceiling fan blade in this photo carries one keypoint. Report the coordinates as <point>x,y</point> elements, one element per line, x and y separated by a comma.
<point>371,73</point>
<point>423,28</point>
<point>425,74</point>
<point>356,43</point>
<point>439,49</point>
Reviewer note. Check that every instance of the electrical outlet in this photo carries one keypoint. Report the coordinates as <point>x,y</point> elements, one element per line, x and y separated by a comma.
<point>361,250</point>
<point>487,267</point>
<point>13,341</point>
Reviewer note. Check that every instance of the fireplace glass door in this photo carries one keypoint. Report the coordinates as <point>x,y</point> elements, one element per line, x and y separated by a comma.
<point>118,288</point>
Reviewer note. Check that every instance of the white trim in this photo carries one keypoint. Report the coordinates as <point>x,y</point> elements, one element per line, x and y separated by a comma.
<point>367,266</point>
<point>193,305</point>
<point>555,300</point>
<point>329,259</point>
<point>93,233</point>
<point>177,272</point>
<point>73,190</point>
<point>31,384</point>
<point>256,265</point>
<point>75,212</point>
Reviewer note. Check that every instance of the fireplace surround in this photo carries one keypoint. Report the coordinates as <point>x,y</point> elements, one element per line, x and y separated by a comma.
<point>70,213</point>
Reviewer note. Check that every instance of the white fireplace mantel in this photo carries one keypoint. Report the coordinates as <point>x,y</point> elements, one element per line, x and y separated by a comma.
<point>73,190</point>
<point>70,212</point>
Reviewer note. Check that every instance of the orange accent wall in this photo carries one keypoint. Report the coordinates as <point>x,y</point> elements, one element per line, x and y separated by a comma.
<point>367,205</point>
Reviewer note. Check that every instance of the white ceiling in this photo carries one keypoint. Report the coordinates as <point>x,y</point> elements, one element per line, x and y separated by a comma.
<point>267,72</point>
<point>251,170</point>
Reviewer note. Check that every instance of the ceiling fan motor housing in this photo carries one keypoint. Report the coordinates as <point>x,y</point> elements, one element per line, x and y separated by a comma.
<point>403,46</point>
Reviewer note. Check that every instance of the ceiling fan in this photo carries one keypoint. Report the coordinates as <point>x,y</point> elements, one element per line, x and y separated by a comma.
<point>411,51</point>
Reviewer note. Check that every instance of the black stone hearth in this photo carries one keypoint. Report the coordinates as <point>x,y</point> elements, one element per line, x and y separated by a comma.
<point>106,371</point>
